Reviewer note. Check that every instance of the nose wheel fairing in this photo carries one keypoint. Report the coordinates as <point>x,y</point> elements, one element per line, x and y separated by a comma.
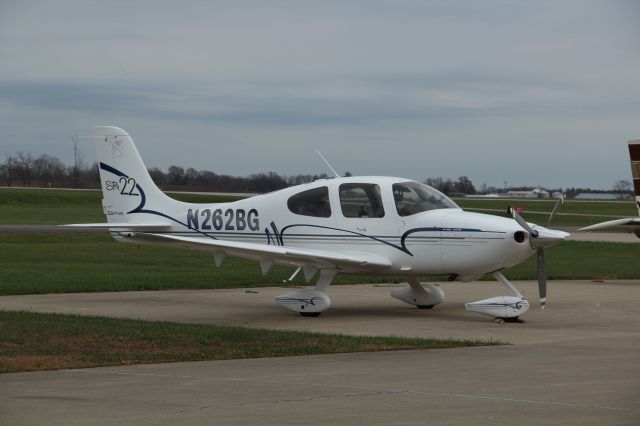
<point>503,307</point>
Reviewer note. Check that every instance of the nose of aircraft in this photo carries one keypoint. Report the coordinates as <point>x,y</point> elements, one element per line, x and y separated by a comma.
<point>542,237</point>
<point>513,249</point>
<point>486,242</point>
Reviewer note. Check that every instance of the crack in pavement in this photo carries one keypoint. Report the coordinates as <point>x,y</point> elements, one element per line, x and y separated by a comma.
<point>311,398</point>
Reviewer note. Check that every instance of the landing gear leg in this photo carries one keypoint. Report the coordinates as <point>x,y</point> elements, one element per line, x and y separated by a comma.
<point>507,284</point>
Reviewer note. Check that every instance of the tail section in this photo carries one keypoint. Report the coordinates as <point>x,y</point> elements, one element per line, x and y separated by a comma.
<point>127,187</point>
<point>634,155</point>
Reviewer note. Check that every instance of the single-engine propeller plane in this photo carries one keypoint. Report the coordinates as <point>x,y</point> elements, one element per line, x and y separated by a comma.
<point>629,224</point>
<point>346,225</point>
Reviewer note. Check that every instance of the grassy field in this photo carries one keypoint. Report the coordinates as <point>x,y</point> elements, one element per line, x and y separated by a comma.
<point>55,207</point>
<point>571,213</point>
<point>30,342</point>
<point>49,207</point>
<point>34,263</point>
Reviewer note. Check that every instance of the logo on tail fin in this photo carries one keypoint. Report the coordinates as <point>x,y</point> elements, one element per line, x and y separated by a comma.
<point>117,149</point>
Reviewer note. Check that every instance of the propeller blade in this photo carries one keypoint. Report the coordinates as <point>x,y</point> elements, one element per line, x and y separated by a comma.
<point>523,222</point>
<point>542,277</point>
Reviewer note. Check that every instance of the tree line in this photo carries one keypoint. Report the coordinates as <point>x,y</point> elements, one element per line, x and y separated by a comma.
<point>450,187</point>
<point>23,169</point>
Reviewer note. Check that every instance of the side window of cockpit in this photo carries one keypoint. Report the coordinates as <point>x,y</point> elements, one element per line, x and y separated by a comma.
<point>414,197</point>
<point>314,202</point>
<point>361,200</point>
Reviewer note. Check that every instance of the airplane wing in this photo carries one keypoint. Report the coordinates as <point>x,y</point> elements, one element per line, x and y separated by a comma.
<point>630,224</point>
<point>159,226</point>
<point>291,256</point>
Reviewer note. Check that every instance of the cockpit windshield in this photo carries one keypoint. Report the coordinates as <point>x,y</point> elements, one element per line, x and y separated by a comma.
<point>415,197</point>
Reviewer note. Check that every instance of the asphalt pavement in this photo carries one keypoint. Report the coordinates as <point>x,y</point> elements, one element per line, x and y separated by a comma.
<point>576,363</point>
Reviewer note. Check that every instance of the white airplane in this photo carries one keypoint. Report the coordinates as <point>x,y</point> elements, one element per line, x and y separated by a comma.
<point>629,224</point>
<point>351,225</point>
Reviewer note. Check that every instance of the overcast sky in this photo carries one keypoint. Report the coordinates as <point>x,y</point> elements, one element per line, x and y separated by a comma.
<point>533,93</point>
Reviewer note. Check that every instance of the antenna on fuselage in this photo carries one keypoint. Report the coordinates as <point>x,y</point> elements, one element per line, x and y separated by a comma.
<point>327,163</point>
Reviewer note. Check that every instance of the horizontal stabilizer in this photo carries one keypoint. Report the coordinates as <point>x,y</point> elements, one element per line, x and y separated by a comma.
<point>630,224</point>
<point>158,226</point>
<point>282,255</point>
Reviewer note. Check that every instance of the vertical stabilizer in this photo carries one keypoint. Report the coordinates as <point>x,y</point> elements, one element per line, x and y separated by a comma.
<point>127,187</point>
<point>634,155</point>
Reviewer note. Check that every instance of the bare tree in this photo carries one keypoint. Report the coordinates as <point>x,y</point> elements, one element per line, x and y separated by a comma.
<point>622,188</point>
<point>158,176</point>
<point>464,185</point>
<point>24,162</point>
<point>10,169</point>
<point>47,170</point>
<point>443,185</point>
<point>176,175</point>
<point>78,162</point>
<point>92,174</point>
<point>191,177</point>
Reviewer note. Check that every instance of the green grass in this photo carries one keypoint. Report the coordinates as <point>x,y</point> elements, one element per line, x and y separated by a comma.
<point>31,341</point>
<point>57,207</point>
<point>33,263</point>
<point>203,198</point>
<point>45,207</point>
<point>571,213</point>
<point>74,262</point>
<point>573,260</point>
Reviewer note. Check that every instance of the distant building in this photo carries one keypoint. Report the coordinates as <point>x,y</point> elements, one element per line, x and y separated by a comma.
<point>594,196</point>
<point>491,195</point>
<point>536,193</point>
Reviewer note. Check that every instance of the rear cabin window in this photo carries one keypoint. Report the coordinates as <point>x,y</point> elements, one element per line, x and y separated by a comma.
<point>314,202</point>
<point>361,200</point>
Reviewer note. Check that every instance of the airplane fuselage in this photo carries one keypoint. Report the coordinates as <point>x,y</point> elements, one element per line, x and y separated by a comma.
<point>354,215</point>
